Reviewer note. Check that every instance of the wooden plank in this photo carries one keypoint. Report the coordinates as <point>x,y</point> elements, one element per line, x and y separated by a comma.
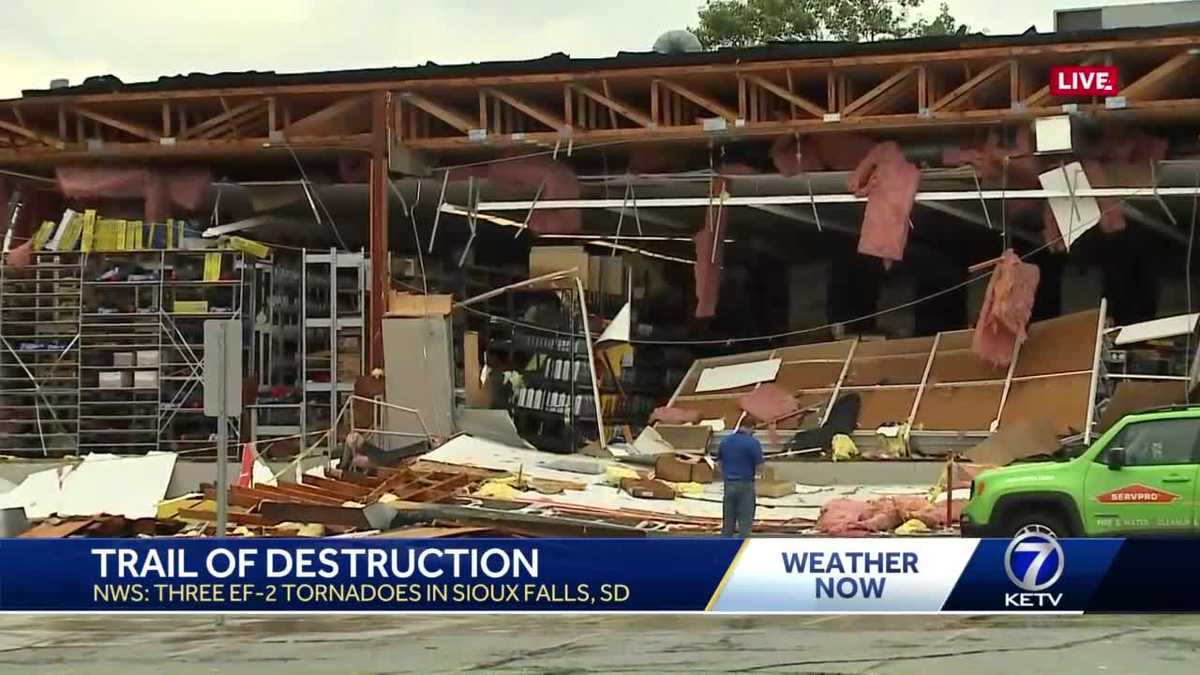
<point>435,492</point>
<point>273,513</point>
<point>712,105</point>
<point>922,88</point>
<point>234,126</point>
<point>483,111</point>
<point>62,121</point>
<point>795,100</point>
<point>166,120</point>
<point>533,110</point>
<point>231,126</point>
<point>236,496</point>
<point>218,120</point>
<point>893,81</point>
<point>612,114</point>
<point>568,105</point>
<point>1149,85</point>
<point>905,58</point>
<point>377,215</point>
<point>950,101</point>
<point>31,134</point>
<point>319,121</point>
<point>235,518</point>
<point>451,117</point>
<point>336,487</point>
<point>615,106</point>
<point>655,103</point>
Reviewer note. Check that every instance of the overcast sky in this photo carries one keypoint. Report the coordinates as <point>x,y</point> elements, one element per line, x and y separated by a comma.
<point>142,39</point>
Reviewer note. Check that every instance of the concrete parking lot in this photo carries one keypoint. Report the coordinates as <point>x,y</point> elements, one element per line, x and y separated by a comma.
<point>136,645</point>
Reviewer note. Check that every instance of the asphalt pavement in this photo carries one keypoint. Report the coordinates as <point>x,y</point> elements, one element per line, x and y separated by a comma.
<point>269,645</point>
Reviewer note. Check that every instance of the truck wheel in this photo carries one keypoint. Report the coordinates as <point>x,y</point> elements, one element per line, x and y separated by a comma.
<point>1038,522</point>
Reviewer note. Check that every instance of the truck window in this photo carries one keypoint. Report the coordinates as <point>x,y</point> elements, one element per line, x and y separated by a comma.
<point>1157,442</point>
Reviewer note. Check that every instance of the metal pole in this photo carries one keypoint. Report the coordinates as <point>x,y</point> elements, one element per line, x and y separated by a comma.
<point>222,446</point>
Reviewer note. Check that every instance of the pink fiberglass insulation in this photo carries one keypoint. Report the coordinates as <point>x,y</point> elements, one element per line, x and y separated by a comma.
<point>768,403</point>
<point>522,177</point>
<point>673,415</point>
<point>889,182</point>
<point>707,270</point>
<point>1007,305</point>
<point>854,518</point>
<point>163,190</point>
<point>819,152</point>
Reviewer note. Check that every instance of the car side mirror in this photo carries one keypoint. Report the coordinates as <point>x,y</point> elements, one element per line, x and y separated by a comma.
<point>1116,458</point>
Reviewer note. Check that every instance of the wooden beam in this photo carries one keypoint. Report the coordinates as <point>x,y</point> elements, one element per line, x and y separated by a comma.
<point>616,106</point>
<point>1148,85</point>
<point>612,114</point>
<point>218,120</point>
<point>166,120</point>
<point>894,81</point>
<point>795,100</point>
<point>950,101</point>
<point>533,110</point>
<point>712,105</point>
<point>318,123</point>
<point>122,125</point>
<point>451,117</point>
<point>31,134</point>
<point>655,103</point>
<point>378,217</point>
<point>231,126</point>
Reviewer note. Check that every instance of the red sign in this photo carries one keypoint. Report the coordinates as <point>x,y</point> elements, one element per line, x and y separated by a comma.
<point>1083,81</point>
<point>1137,494</point>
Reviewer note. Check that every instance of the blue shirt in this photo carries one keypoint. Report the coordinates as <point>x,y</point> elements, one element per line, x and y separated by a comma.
<point>739,454</point>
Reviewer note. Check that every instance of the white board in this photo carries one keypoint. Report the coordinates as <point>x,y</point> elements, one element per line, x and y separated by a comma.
<point>738,375</point>
<point>109,484</point>
<point>1074,216</point>
<point>1156,329</point>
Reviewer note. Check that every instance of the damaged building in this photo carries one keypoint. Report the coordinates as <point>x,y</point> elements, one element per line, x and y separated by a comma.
<point>907,255</point>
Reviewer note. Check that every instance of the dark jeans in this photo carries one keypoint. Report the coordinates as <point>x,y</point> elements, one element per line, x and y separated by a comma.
<point>738,512</point>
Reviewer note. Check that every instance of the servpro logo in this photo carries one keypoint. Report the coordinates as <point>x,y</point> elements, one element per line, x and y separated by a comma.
<point>1137,494</point>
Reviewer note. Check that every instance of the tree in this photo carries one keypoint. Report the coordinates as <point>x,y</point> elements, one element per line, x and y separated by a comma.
<point>742,23</point>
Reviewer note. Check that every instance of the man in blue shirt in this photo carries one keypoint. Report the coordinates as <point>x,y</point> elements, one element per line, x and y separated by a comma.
<point>740,455</point>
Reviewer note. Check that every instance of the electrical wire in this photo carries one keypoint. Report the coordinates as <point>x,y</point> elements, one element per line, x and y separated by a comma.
<point>314,195</point>
<point>802,331</point>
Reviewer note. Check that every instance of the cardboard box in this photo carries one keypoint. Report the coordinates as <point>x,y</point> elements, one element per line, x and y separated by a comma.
<point>122,359</point>
<point>770,487</point>
<point>145,379</point>
<point>547,259</point>
<point>147,358</point>
<point>647,488</point>
<point>687,438</point>
<point>680,468</point>
<point>114,379</point>
<point>410,304</point>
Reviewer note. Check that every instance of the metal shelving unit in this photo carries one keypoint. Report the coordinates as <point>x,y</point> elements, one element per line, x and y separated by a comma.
<point>332,321</point>
<point>277,332</point>
<point>39,355</point>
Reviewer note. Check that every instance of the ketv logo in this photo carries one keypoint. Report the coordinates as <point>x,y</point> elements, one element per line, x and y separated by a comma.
<point>1083,81</point>
<point>1034,563</point>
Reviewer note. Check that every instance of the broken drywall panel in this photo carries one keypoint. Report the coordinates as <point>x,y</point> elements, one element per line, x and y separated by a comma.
<point>617,330</point>
<point>1157,329</point>
<point>740,375</point>
<point>1053,134</point>
<point>1028,438</point>
<point>118,486</point>
<point>650,442</point>
<point>1074,215</point>
<point>493,425</point>
<point>1134,395</point>
<point>109,484</point>
<point>420,368</point>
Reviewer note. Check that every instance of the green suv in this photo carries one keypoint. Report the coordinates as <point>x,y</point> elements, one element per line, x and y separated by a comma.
<point>1138,479</point>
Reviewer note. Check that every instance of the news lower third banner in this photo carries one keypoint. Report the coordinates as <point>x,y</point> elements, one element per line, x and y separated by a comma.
<point>803,575</point>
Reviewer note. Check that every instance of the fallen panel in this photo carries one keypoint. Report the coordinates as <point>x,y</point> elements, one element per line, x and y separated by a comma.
<point>119,486</point>
<point>1061,345</point>
<point>1074,216</point>
<point>1170,326</point>
<point>1063,400</point>
<point>1134,395</point>
<point>970,407</point>
<point>883,406</point>
<point>1018,440</point>
<point>876,370</point>
<point>493,425</point>
<point>740,375</point>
